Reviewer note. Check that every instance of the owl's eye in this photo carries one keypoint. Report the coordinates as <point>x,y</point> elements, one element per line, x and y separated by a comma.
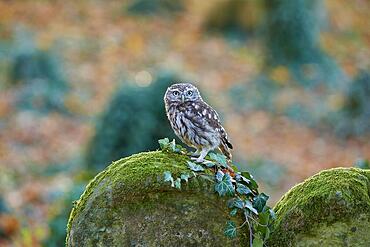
<point>175,93</point>
<point>189,93</point>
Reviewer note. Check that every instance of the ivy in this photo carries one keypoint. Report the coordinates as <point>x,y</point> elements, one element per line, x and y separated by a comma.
<point>194,167</point>
<point>185,177</point>
<point>240,187</point>
<point>168,178</point>
<point>259,201</point>
<point>223,185</point>
<point>166,144</point>
<point>243,189</point>
<point>219,159</point>
<point>230,229</point>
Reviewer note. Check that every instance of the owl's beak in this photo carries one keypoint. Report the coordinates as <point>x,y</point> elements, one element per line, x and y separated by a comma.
<point>182,98</point>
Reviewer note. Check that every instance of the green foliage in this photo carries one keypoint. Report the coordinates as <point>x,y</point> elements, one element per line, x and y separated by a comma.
<point>230,229</point>
<point>166,145</point>
<point>36,65</point>
<point>224,186</point>
<point>362,163</point>
<point>257,241</point>
<point>155,7</point>
<point>292,40</point>
<point>240,187</point>
<point>219,158</point>
<point>185,177</point>
<point>351,119</point>
<point>260,202</point>
<point>168,178</point>
<point>57,224</point>
<point>235,19</point>
<point>295,65</point>
<point>133,121</point>
<point>354,117</point>
<point>282,98</point>
<point>194,167</point>
<point>292,31</point>
<point>37,72</point>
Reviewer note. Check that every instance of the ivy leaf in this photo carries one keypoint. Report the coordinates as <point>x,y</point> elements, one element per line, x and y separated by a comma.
<point>264,218</point>
<point>185,177</point>
<point>272,214</point>
<point>242,189</point>
<point>209,164</point>
<point>233,212</point>
<point>178,183</point>
<point>241,178</point>
<point>266,233</point>
<point>225,186</point>
<point>172,145</point>
<point>219,158</point>
<point>259,201</point>
<point>168,177</point>
<point>219,175</point>
<point>249,206</point>
<point>230,230</point>
<point>175,147</point>
<point>252,182</point>
<point>238,203</point>
<point>167,145</point>
<point>262,227</point>
<point>194,167</point>
<point>257,241</point>
<point>163,143</point>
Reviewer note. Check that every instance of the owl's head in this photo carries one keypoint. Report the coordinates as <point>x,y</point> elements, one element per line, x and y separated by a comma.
<point>181,93</point>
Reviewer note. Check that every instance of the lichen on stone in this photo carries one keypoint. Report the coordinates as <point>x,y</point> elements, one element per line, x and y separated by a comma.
<point>331,208</point>
<point>129,204</point>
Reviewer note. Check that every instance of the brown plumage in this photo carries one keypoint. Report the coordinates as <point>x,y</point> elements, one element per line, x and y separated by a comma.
<point>194,121</point>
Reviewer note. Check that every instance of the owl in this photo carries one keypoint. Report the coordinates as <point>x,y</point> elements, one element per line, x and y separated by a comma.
<point>194,121</point>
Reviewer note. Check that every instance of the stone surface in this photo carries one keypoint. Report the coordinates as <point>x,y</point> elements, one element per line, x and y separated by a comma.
<point>128,204</point>
<point>331,208</point>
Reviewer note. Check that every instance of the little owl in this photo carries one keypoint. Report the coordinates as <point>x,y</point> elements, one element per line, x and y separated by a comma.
<point>194,121</point>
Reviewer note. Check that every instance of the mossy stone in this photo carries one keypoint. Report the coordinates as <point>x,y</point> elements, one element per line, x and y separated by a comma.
<point>331,208</point>
<point>128,204</point>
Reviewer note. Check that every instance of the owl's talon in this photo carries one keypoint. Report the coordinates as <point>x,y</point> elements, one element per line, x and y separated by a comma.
<point>197,159</point>
<point>195,153</point>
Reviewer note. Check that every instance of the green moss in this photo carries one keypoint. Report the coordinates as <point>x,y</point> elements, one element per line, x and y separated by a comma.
<point>330,201</point>
<point>129,204</point>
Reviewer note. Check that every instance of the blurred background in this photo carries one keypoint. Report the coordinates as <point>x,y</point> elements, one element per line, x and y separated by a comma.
<point>82,84</point>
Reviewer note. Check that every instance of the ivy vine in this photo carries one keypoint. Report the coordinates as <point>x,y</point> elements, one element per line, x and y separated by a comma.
<point>240,187</point>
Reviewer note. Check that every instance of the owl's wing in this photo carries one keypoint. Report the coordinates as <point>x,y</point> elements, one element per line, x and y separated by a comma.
<point>201,112</point>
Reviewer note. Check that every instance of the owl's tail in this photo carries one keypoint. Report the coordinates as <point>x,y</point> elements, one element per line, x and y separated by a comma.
<point>225,147</point>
